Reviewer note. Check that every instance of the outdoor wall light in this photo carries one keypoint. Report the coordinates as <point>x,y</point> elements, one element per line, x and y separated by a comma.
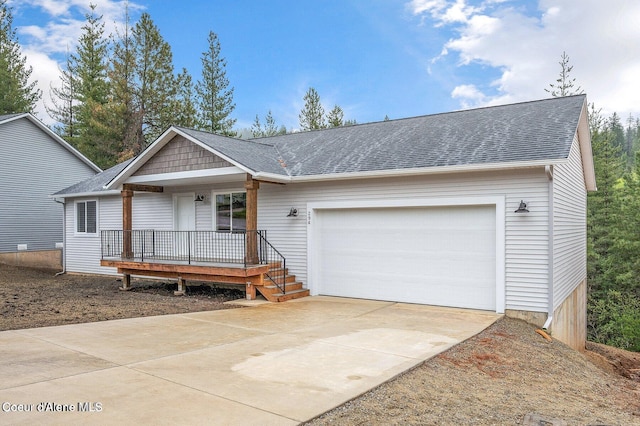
<point>522,208</point>
<point>199,198</point>
<point>293,212</point>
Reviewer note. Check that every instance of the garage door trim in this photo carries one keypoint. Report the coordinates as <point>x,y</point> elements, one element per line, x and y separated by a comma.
<point>498,201</point>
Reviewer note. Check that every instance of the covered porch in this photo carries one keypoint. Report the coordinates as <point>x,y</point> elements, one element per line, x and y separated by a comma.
<point>241,257</point>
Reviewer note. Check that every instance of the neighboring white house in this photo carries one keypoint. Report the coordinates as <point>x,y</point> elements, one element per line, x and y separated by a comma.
<point>34,162</point>
<point>481,209</point>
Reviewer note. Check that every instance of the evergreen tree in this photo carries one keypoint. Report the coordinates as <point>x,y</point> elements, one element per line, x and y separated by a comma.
<point>624,272</point>
<point>630,136</point>
<point>184,111</point>
<point>603,209</point>
<point>89,66</point>
<point>312,115</point>
<point>154,83</point>
<point>270,128</point>
<point>214,97</point>
<point>564,84</point>
<point>335,118</point>
<point>16,93</point>
<point>63,99</point>
<point>614,125</point>
<point>123,117</point>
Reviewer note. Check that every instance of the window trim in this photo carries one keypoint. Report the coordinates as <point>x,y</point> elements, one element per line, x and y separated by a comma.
<point>75,218</point>
<point>214,208</point>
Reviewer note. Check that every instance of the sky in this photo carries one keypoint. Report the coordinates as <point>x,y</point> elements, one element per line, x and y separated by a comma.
<point>373,58</point>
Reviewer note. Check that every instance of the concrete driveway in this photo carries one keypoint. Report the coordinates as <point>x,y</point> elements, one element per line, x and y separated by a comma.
<point>268,364</point>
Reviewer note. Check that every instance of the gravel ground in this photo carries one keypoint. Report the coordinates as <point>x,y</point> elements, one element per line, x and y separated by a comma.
<point>496,378</point>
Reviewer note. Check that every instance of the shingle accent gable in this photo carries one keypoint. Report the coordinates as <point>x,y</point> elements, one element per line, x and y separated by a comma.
<point>181,155</point>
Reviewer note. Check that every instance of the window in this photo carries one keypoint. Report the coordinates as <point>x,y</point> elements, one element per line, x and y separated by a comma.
<point>86,217</point>
<point>231,212</point>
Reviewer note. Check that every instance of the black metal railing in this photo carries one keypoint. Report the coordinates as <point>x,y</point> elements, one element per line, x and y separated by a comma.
<point>269,255</point>
<point>196,247</point>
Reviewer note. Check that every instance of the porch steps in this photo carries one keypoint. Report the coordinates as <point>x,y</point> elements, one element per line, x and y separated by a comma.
<point>293,288</point>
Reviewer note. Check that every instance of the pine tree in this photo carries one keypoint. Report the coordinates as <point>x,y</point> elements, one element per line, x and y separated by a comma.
<point>16,93</point>
<point>89,65</point>
<point>270,128</point>
<point>154,83</point>
<point>602,211</point>
<point>312,115</point>
<point>215,98</point>
<point>63,101</point>
<point>564,84</point>
<point>614,125</point>
<point>184,110</point>
<point>335,118</point>
<point>624,272</point>
<point>123,118</point>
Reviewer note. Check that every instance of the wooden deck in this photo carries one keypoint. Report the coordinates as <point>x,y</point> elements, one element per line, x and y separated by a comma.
<point>250,276</point>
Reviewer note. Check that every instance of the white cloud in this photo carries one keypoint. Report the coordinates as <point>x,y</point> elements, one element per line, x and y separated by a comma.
<point>432,6</point>
<point>468,91</point>
<point>46,46</point>
<point>45,71</point>
<point>601,39</point>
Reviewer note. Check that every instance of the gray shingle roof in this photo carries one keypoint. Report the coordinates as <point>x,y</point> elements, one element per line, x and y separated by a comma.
<point>95,183</point>
<point>524,132</point>
<point>538,130</point>
<point>8,116</point>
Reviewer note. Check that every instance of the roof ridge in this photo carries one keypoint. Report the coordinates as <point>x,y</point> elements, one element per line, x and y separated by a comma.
<point>222,136</point>
<point>416,117</point>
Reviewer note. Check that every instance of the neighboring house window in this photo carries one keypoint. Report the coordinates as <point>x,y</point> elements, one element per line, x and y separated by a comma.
<point>231,211</point>
<point>86,217</point>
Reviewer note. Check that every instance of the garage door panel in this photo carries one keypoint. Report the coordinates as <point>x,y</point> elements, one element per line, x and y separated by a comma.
<point>433,255</point>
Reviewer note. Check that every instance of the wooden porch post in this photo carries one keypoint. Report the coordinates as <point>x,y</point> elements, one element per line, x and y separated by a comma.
<point>127,223</point>
<point>127,213</point>
<point>127,226</point>
<point>251,246</point>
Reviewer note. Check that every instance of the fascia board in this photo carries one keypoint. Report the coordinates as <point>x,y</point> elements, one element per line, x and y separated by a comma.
<point>428,171</point>
<point>85,194</point>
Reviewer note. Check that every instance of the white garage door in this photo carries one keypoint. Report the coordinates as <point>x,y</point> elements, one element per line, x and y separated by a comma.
<point>430,255</point>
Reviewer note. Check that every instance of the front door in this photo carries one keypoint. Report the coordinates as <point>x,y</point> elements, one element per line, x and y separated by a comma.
<point>185,213</point>
<point>184,220</point>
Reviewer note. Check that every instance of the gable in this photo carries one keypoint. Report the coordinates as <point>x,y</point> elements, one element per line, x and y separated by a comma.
<point>181,155</point>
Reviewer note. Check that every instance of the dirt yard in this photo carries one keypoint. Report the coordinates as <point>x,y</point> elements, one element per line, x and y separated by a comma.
<point>37,298</point>
<point>498,377</point>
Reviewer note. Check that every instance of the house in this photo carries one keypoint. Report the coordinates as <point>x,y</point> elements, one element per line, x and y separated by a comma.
<point>35,163</point>
<point>481,209</point>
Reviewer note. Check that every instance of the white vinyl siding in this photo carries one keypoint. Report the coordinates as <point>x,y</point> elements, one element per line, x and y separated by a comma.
<point>34,166</point>
<point>526,235</point>
<point>150,211</point>
<point>526,245</point>
<point>569,226</point>
<point>82,250</point>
